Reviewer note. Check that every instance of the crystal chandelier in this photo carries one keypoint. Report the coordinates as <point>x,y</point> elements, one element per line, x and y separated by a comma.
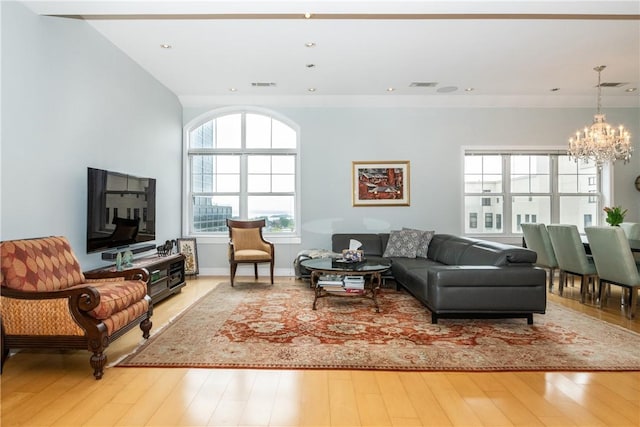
<point>600,142</point>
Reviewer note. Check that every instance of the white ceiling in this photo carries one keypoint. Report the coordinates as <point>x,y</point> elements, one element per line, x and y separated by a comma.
<point>510,53</point>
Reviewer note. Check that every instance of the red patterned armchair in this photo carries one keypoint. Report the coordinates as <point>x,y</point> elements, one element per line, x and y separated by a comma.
<point>46,301</point>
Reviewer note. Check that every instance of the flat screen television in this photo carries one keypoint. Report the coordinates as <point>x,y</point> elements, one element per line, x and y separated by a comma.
<point>121,210</point>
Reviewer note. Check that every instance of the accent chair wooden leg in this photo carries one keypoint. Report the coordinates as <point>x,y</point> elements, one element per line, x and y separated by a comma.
<point>272,262</point>
<point>255,270</point>
<point>232,271</point>
<point>584,287</point>
<point>562,283</point>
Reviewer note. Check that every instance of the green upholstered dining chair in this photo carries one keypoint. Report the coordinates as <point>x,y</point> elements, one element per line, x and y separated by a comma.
<point>572,257</point>
<point>614,262</point>
<point>537,239</point>
<point>631,230</point>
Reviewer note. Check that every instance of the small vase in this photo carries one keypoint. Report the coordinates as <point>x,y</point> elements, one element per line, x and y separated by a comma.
<point>119,262</point>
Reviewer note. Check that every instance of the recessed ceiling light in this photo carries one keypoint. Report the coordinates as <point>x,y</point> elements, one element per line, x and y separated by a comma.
<point>390,89</point>
<point>447,89</point>
<point>310,44</point>
<point>233,89</point>
<point>469,89</point>
<point>307,15</point>
<point>312,89</point>
<point>165,46</point>
<point>631,89</point>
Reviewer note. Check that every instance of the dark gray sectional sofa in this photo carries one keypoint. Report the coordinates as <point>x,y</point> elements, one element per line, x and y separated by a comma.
<point>461,277</point>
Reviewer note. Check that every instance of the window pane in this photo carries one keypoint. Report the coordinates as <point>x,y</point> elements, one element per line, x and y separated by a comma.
<point>526,208</point>
<point>283,135</point>
<point>492,164</point>
<point>492,184</point>
<point>576,210</point>
<point>228,183</point>
<point>283,164</point>
<point>202,174</point>
<point>473,164</point>
<point>278,210</point>
<point>258,131</point>
<point>576,177</point>
<point>228,164</point>
<point>259,164</point>
<point>283,183</point>
<point>477,206</point>
<point>530,174</point>
<point>210,216</point>
<point>259,183</point>
<point>567,183</point>
<point>473,183</point>
<point>228,131</point>
<point>202,137</point>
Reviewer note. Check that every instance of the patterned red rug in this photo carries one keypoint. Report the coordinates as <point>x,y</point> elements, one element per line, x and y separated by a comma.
<point>264,326</point>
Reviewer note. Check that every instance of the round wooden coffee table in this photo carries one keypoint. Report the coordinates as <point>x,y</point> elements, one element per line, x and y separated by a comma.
<point>371,270</point>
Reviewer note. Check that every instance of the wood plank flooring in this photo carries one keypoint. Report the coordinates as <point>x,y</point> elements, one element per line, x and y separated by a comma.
<point>41,388</point>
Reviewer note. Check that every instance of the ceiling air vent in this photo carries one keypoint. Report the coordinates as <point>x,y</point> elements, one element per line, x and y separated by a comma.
<point>423,84</point>
<point>263,84</point>
<point>611,84</point>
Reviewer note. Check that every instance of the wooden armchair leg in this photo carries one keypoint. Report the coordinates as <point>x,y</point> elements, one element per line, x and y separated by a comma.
<point>98,360</point>
<point>255,270</point>
<point>232,272</point>
<point>272,272</point>
<point>145,325</point>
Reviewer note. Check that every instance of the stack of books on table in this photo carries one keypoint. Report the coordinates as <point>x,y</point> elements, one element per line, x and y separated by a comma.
<point>354,284</point>
<point>331,282</point>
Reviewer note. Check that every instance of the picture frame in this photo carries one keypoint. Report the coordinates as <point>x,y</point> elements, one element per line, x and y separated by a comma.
<point>189,249</point>
<point>380,183</point>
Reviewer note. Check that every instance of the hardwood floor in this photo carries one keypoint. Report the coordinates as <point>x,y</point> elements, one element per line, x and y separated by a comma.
<point>42,388</point>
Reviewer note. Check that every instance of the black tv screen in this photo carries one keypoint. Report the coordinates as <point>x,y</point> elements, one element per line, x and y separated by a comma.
<point>121,210</point>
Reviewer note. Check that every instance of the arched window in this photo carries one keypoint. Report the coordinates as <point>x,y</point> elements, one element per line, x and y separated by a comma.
<point>241,164</point>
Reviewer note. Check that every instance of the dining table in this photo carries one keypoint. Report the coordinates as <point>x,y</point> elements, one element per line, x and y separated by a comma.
<point>633,244</point>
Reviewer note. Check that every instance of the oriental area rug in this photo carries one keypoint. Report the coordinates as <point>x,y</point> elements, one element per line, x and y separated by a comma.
<point>255,325</point>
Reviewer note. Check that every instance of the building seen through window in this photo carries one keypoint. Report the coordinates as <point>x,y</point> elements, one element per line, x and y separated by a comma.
<point>242,165</point>
<point>509,189</point>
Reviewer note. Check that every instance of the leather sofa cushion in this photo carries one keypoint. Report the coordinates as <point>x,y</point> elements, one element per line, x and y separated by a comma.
<point>455,250</point>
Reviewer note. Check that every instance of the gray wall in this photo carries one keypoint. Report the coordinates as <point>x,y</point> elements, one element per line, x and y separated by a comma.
<point>70,99</point>
<point>433,140</point>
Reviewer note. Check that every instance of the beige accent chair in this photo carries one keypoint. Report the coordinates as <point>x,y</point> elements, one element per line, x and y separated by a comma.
<point>247,246</point>
<point>572,257</point>
<point>614,262</point>
<point>537,239</point>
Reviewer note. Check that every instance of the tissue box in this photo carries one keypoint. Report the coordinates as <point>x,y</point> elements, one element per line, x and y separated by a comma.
<point>352,255</point>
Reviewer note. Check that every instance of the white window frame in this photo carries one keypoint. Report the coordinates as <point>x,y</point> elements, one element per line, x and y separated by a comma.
<point>187,205</point>
<point>604,178</point>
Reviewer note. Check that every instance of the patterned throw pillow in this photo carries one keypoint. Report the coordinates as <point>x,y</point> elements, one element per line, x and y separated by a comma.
<point>423,245</point>
<point>402,243</point>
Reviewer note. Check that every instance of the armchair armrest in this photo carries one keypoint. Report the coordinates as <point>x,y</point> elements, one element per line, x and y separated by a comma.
<point>84,297</point>
<point>129,274</point>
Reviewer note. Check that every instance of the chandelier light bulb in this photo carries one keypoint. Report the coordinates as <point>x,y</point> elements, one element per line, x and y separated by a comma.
<point>600,142</point>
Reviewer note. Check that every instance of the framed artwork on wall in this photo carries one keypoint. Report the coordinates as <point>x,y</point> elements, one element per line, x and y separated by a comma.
<point>380,183</point>
<point>188,248</point>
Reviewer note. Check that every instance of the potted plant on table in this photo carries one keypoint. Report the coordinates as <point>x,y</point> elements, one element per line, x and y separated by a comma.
<point>615,215</point>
